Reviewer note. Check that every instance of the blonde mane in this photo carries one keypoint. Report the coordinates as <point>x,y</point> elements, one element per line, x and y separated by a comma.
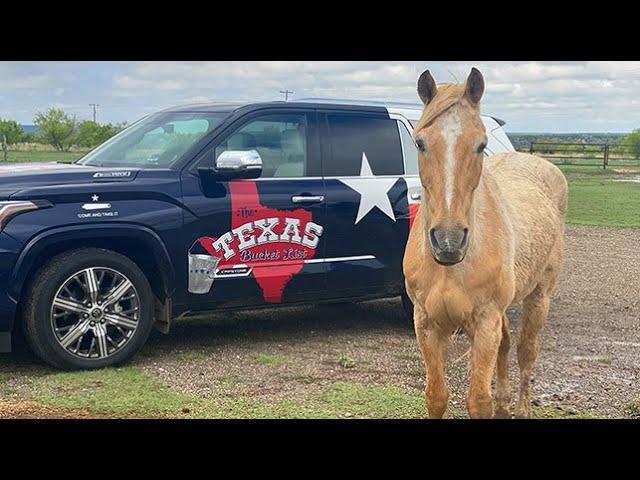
<point>448,95</point>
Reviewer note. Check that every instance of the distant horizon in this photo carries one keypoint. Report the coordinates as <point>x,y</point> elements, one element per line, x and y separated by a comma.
<point>33,127</point>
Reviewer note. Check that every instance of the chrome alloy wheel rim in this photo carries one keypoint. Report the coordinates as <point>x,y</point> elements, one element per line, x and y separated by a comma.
<point>95,313</point>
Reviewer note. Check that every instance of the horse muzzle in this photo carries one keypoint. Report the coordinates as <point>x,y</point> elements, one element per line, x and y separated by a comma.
<point>448,244</point>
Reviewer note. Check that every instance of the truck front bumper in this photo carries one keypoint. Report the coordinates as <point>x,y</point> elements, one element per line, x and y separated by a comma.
<point>8,309</point>
<point>8,305</point>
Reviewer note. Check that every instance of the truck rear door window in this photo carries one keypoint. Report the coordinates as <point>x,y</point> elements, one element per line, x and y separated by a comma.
<point>409,150</point>
<point>352,136</point>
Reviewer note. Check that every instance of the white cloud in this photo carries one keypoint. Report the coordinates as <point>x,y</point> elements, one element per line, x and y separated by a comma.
<point>129,82</point>
<point>554,96</point>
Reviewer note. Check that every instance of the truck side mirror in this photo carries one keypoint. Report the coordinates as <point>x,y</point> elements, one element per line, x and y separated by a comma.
<point>235,164</point>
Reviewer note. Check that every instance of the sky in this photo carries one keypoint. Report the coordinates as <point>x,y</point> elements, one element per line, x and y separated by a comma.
<point>536,96</point>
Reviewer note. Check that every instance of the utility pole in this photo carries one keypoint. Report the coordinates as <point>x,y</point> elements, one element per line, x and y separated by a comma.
<point>286,94</point>
<point>94,106</point>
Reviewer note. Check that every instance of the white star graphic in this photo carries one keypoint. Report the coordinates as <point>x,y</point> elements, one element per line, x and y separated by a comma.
<point>373,192</point>
<point>95,197</point>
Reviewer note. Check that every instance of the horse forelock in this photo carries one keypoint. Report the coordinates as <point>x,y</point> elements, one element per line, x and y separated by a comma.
<point>449,94</point>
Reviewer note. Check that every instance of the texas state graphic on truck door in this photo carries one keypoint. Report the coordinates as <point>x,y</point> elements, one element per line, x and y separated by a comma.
<point>270,244</point>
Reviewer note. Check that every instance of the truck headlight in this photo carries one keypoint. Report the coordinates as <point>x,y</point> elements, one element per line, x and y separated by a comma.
<point>10,209</point>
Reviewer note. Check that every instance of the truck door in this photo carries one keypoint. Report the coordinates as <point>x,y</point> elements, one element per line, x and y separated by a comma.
<point>262,241</point>
<point>367,219</point>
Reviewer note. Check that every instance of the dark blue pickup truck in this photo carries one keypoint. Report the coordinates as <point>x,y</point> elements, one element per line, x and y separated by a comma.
<point>202,208</point>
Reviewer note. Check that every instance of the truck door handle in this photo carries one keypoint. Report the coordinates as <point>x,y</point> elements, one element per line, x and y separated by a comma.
<point>307,198</point>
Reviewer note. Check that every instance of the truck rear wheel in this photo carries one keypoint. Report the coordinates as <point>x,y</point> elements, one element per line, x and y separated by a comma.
<point>88,308</point>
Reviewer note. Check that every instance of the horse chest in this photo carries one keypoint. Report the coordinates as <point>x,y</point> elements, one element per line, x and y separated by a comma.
<point>448,303</point>
<point>451,300</point>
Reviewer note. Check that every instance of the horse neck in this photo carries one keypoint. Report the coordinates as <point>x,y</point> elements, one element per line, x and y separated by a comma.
<point>481,217</point>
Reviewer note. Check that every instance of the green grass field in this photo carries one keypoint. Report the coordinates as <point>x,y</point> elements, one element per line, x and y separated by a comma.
<point>602,197</point>
<point>130,392</point>
<point>14,156</point>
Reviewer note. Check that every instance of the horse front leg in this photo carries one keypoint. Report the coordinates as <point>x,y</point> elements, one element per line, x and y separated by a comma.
<point>433,346</point>
<point>487,336</point>
<point>503,386</point>
<point>534,315</point>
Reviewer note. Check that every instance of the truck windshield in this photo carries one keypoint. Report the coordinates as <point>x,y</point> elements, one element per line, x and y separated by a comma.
<point>158,140</point>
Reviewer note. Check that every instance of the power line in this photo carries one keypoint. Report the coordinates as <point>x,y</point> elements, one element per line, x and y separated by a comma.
<point>94,106</point>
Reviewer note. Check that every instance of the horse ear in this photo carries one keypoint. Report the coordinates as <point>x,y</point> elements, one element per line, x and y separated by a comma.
<point>475,86</point>
<point>427,87</point>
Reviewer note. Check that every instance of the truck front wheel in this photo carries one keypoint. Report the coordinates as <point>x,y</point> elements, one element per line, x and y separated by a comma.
<point>88,308</point>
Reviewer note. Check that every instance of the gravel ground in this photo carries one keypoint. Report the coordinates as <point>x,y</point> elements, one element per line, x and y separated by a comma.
<point>589,360</point>
<point>33,410</point>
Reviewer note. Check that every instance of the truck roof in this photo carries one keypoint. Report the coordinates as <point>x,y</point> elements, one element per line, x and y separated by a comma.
<point>230,106</point>
<point>402,107</point>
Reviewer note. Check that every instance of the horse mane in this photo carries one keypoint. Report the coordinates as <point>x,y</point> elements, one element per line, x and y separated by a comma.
<point>447,96</point>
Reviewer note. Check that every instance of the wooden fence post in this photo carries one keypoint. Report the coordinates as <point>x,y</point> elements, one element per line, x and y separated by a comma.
<point>531,148</point>
<point>4,147</point>
<point>606,154</point>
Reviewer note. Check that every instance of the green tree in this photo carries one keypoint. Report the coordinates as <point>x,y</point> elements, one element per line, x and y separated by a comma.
<point>12,130</point>
<point>30,137</point>
<point>91,133</point>
<point>56,128</point>
<point>633,139</point>
<point>87,134</point>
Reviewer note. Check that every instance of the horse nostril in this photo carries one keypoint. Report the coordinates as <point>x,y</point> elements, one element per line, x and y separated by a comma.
<point>465,237</point>
<point>433,239</point>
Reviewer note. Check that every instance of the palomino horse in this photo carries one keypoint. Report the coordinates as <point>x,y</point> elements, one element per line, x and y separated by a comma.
<point>488,234</point>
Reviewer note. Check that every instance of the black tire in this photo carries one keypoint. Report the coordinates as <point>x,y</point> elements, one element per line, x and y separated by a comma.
<point>407,306</point>
<point>43,288</point>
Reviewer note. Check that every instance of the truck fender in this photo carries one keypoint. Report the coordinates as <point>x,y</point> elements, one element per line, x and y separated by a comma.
<point>25,263</point>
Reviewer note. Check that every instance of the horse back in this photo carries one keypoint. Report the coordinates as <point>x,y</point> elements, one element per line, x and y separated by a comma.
<point>534,194</point>
<point>520,175</point>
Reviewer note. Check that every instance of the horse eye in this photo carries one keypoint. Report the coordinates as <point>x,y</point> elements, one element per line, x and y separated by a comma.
<point>482,147</point>
<point>421,146</point>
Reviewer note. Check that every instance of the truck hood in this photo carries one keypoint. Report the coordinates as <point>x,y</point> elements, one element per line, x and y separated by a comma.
<point>20,176</point>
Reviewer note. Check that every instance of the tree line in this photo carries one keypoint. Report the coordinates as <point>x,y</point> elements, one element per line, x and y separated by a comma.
<point>634,140</point>
<point>60,130</point>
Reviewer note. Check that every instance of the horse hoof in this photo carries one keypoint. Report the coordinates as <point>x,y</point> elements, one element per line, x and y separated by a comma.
<point>502,413</point>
